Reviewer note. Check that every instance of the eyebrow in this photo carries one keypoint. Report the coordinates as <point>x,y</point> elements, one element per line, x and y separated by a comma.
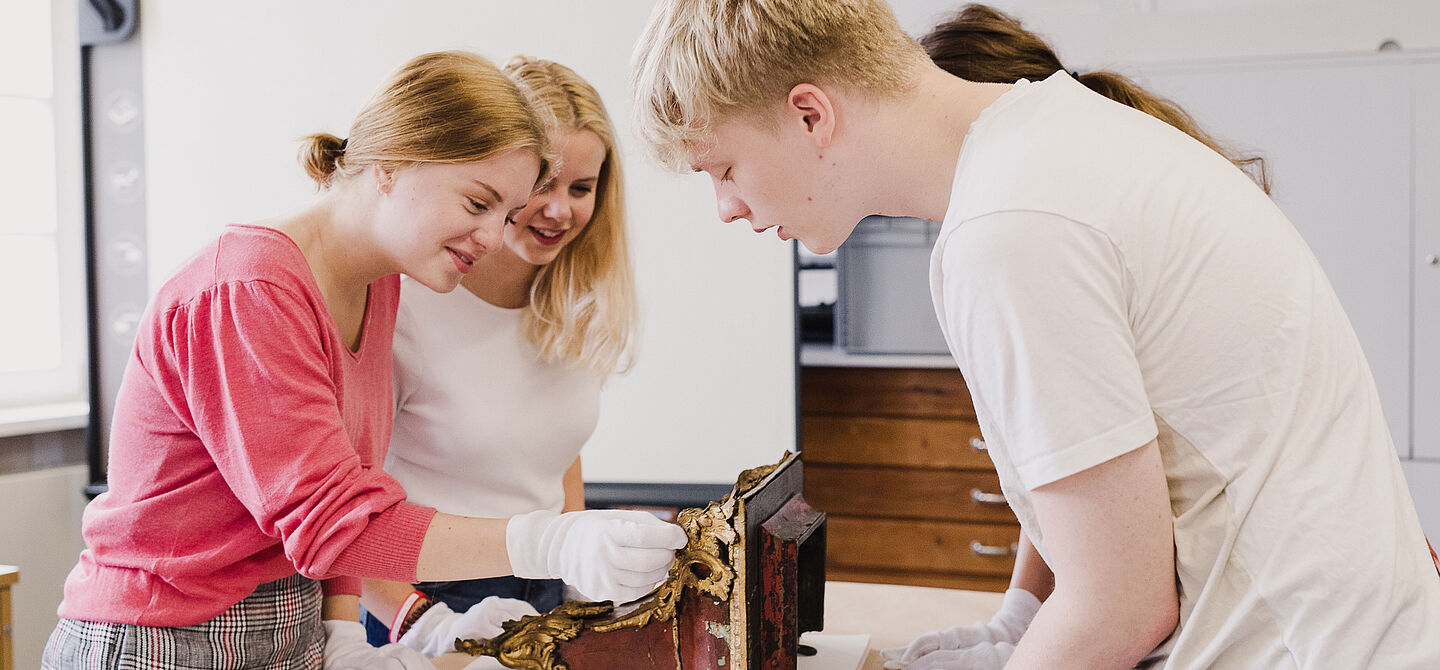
<point>493,193</point>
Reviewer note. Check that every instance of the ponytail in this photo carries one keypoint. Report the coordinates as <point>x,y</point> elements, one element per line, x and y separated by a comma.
<point>981,44</point>
<point>320,155</point>
<point>446,107</point>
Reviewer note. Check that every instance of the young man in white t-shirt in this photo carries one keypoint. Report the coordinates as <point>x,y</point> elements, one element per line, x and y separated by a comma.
<point>1179,411</point>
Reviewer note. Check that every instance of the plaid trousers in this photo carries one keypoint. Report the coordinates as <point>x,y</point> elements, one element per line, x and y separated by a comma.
<point>276,627</point>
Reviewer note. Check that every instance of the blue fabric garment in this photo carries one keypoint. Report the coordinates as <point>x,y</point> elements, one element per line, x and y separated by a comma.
<point>542,594</point>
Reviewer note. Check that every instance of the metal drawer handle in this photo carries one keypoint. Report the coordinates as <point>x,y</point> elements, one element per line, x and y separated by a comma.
<point>987,498</point>
<point>988,550</point>
<point>977,444</point>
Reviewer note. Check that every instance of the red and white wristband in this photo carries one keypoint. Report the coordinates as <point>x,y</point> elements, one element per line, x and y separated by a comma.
<point>402,616</point>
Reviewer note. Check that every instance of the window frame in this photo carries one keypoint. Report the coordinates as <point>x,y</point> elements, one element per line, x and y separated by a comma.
<point>37,401</point>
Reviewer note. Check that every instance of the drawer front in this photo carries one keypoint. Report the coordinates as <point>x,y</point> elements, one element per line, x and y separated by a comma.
<point>920,546</point>
<point>942,495</point>
<point>939,580</point>
<point>900,442</point>
<point>7,639</point>
<point>885,392</point>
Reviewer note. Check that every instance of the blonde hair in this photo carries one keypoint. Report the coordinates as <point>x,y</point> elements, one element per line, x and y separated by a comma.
<point>982,44</point>
<point>582,307</point>
<point>699,60</point>
<point>444,107</point>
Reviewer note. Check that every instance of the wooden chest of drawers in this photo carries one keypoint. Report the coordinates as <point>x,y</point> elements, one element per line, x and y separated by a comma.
<point>895,459</point>
<point>9,574</point>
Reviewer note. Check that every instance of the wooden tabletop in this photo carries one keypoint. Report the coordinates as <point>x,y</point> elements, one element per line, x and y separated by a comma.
<point>893,615</point>
<point>9,574</point>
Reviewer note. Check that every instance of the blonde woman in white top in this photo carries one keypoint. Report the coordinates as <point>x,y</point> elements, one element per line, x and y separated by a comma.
<point>497,385</point>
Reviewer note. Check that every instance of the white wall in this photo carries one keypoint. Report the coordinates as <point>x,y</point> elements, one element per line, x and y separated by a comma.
<point>230,86</point>
<point>40,533</point>
<point>1091,34</point>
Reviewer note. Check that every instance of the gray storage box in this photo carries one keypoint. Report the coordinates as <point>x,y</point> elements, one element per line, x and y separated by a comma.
<point>884,302</point>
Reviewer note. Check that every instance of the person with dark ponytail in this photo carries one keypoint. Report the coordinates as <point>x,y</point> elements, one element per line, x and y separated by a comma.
<point>982,44</point>
<point>255,412</point>
<point>1177,407</point>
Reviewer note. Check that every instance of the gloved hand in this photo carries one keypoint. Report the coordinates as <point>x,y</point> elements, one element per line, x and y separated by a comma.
<point>614,555</point>
<point>1008,624</point>
<point>435,631</point>
<point>346,649</point>
<point>983,656</point>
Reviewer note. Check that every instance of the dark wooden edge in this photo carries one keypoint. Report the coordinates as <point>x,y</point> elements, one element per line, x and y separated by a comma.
<point>616,494</point>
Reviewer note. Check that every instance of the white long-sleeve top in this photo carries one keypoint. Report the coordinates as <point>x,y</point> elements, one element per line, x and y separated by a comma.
<point>482,428</point>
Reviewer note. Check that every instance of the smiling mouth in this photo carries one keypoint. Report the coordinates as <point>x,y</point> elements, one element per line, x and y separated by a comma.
<point>463,261</point>
<point>547,237</point>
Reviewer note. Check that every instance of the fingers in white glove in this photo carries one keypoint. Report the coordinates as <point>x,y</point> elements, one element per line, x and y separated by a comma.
<point>485,619</point>
<point>615,555</point>
<point>346,649</point>
<point>571,593</point>
<point>1009,623</point>
<point>983,656</point>
<point>434,633</point>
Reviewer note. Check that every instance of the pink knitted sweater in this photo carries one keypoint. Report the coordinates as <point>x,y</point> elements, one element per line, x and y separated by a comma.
<point>247,445</point>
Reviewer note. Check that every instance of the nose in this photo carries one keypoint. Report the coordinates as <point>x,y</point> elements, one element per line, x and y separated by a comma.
<point>490,234</point>
<point>731,207</point>
<point>557,206</point>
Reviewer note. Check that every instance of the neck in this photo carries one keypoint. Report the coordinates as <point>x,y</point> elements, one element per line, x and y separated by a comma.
<point>501,279</point>
<point>918,168</point>
<point>333,233</point>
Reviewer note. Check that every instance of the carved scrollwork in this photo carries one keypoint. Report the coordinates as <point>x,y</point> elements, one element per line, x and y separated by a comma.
<point>701,565</point>
<point>529,644</point>
<point>705,564</point>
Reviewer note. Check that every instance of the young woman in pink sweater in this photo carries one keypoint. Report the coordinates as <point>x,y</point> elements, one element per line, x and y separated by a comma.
<point>253,418</point>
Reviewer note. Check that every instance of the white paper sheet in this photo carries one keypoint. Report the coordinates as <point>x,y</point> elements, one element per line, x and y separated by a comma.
<point>835,652</point>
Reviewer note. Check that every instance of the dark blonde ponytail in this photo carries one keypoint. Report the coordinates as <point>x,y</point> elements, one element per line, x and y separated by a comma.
<point>321,155</point>
<point>443,107</point>
<point>982,44</point>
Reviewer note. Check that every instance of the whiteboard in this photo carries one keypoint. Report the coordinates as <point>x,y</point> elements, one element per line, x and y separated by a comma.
<point>229,87</point>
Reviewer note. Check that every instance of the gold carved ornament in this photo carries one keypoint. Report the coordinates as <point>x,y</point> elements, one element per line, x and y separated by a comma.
<point>531,642</point>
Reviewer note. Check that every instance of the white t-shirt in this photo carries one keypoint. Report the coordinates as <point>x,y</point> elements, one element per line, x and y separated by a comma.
<point>482,428</point>
<point>1104,280</point>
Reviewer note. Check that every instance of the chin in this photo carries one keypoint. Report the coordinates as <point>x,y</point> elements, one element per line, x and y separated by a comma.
<point>818,247</point>
<point>541,256</point>
<point>438,285</point>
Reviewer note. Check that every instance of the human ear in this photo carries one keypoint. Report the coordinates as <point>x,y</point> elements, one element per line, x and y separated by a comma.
<point>384,178</point>
<point>808,105</point>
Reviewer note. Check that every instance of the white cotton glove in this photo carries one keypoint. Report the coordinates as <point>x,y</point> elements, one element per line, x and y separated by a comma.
<point>616,555</point>
<point>983,656</point>
<point>346,649</point>
<point>1008,624</point>
<point>435,631</point>
<point>570,593</point>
